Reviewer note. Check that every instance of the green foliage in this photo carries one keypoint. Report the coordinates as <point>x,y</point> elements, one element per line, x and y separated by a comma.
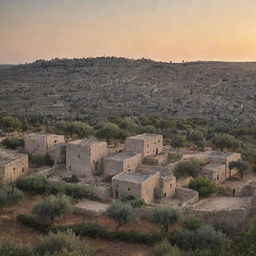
<point>134,202</point>
<point>197,137</point>
<point>190,167</point>
<point>38,160</point>
<point>110,131</point>
<point>203,186</point>
<point>79,128</point>
<point>205,237</point>
<point>10,124</point>
<point>120,212</point>
<point>13,142</point>
<point>249,239</point>
<point>249,153</point>
<point>10,195</point>
<point>72,179</point>
<point>148,129</point>
<point>240,165</point>
<point>62,243</point>
<point>222,141</point>
<point>11,248</point>
<point>164,217</point>
<point>164,248</point>
<point>179,141</point>
<point>52,207</point>
<point>192,224</point>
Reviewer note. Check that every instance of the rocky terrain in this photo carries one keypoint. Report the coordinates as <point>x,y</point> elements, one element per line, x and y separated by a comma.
<point>104,87</point>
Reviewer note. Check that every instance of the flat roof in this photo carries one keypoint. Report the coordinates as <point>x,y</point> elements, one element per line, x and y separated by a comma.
<point>132,177</point>
<point>8,156</point>
<point>145,136</point>
<point>212,166</point>
<point>121,156</point>
<point>85,142</point>
<point>42,135</point>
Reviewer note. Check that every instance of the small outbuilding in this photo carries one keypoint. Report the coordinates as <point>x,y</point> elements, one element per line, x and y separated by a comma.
<point>12,166</point>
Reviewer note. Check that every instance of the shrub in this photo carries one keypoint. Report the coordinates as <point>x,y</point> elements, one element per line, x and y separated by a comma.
<point>10,195</point>
<point>72,179</point>
<point>11,248</point>
<point>203,186</point>
<point>53,206</point>
<point>164,216</point>
<point>61,243</point>
<point>189,167</point>
<point>33,182</point>
<point>38,160</point>
<point>164,248</point>
<point>192,224</point>
<point>13,142</point>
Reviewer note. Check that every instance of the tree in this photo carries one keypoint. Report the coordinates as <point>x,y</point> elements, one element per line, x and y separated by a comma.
<point>190,167</point>
<point>196,137</point>
<point>222,141</point>
<point>13,142</point>
<point>179,141</point>
<point>240,165</point>
<point>52,207</point>
<point>203,186</point>
<point>62,244</point>
<point>10,124</point>
<point>164,216</point>
<point>148,129</point>
<point>120,212</point>
<point>109,131</point>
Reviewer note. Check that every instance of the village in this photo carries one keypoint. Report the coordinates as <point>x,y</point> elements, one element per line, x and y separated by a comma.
<point>142,168</point>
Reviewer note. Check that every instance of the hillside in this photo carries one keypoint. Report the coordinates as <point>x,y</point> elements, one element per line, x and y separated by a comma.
<point>105,87</point>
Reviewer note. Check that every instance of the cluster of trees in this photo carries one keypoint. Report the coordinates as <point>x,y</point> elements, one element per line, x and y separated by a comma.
<point>10,195</point>
<point>53,244</point>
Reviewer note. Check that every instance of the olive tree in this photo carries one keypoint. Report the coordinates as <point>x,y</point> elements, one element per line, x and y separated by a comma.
<point>179,141</point>
<point>52,207</point>
<point>120,212</point>
<point>164,217</point>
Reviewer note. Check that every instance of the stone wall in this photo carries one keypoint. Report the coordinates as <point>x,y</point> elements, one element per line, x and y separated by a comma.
<point>186,196</point>
<point>58,153</point>
<point>168,185</point>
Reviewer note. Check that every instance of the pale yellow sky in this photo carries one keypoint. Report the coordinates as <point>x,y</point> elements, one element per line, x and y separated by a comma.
<point>157,29</point>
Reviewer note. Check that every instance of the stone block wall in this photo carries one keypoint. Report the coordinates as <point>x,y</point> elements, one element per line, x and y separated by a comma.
<point>186,196</point>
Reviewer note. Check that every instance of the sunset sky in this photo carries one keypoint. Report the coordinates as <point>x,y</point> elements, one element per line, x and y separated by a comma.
<point>166,30</point>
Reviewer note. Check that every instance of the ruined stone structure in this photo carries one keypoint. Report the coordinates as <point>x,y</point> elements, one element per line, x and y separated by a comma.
<point>58,153</point>
<point>39,144</point>
<point>147,144</point>
<point>12,166</point>
<point>121,162</point>
<point>84,158</point>
<point>218,168</point>
<point>145,184</point>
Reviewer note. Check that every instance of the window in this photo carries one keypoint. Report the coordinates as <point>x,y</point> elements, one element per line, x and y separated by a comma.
<point>23,169</point>
<point>55,141</point>
<point>218,177</point>
<point>13,168</point>
<point>170,185</point>
<point>158,141</point>
<point>164,194</point>
<point>147,145</point>
<point>129,189</point>
<point>78,156</point>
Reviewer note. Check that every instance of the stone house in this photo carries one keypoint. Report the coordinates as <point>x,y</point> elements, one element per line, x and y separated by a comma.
<point>121,162</point>
<point>40,144</point>
<point>218,168</point>
<point>58,153</point>
<point>12,166</point>
<point>84,157</point>
<point>146,144</point>
<point>144,184</point>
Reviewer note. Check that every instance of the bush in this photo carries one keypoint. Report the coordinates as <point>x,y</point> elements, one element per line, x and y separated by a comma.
<point>164,248</point>
<point>10,195</point>
<point>192,224</point>
<point>11,248</point>
<point>13,142</point>
<point>61,243</point>
<point>189,167</point>
<point>33,182</point>
<point>203,186</point>
<point>38,160</point>
<point>72,179</point>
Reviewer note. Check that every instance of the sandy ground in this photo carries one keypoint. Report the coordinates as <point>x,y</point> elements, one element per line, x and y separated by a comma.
<point>223,202</point>
<point>93,206</point>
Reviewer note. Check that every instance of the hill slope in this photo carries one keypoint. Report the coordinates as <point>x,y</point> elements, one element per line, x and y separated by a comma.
<point>105,87</point>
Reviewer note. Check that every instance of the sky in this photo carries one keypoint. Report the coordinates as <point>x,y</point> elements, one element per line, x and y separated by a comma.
<point>163,30</point>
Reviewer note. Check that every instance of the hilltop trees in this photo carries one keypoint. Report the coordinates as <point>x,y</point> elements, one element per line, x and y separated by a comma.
<point>179,141</point>
<point>190,167</point>
<point>222,141</point>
